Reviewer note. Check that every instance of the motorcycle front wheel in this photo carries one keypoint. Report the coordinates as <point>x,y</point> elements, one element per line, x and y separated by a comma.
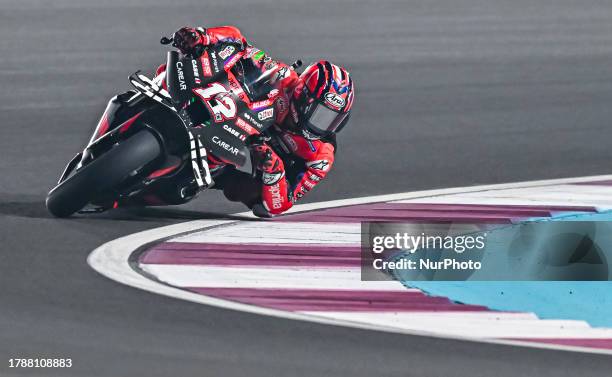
<point>103,174</point>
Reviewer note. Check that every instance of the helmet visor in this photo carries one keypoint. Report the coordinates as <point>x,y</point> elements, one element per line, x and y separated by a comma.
<point>323,120</point>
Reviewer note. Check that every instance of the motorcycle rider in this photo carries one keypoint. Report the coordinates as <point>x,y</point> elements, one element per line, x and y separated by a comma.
<point>310,110</point>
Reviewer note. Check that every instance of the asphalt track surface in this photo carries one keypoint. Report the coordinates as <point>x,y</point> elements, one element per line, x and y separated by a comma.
<point>449,93</point>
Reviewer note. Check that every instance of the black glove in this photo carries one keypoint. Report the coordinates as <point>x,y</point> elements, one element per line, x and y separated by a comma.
<point>189,40</point>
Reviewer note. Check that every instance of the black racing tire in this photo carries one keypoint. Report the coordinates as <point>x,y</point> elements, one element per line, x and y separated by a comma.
<point>103,174</point>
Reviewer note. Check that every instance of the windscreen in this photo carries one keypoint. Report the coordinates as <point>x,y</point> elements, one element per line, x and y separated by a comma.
<point>255,83</point>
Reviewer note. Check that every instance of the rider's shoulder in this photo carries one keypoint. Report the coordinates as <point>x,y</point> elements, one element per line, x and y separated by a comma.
<point>222,33</point>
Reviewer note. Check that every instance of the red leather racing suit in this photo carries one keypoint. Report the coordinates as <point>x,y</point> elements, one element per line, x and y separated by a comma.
<point>310,160</point>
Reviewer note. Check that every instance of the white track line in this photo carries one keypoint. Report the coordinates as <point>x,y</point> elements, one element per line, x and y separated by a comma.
<point>566,195</point>
<point>271,277</point>
<point>112,261</point>
<point>276,232</point>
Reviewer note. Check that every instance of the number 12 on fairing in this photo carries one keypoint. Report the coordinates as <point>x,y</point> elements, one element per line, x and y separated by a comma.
<point>224,107</point>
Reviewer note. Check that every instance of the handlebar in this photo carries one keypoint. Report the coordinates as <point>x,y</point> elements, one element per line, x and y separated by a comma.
<point>165,40</point>
<point>297,64</point>
<point>199,49</point>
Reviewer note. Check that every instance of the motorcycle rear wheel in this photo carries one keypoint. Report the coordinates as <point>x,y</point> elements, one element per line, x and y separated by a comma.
<point>103,174</point>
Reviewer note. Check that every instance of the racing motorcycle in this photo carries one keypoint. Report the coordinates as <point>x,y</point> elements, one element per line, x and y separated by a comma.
<point>152,144</point>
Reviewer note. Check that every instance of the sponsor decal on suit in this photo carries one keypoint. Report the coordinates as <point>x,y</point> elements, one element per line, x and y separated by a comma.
<point>270,179</point>
<point>277,200</point>
<point>322,165</point>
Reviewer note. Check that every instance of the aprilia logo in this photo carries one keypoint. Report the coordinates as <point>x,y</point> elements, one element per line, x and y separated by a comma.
<point>277,200</point>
